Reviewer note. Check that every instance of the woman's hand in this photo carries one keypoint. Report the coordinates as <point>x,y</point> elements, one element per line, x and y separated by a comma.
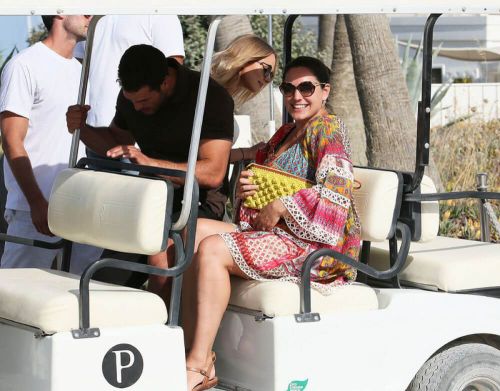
<point>245,187</point>
<point>269,216</point>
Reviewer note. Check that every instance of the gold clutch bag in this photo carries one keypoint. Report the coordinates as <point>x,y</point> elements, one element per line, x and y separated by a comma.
<point>273,183</point>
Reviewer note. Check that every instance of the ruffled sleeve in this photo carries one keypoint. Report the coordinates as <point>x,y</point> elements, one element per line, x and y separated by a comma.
<point>320,213</point>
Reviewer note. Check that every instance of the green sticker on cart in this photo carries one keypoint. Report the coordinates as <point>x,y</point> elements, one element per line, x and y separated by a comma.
<point>297,385</point>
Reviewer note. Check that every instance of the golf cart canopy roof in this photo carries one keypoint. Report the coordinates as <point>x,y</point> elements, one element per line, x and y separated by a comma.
<point>247,7</point>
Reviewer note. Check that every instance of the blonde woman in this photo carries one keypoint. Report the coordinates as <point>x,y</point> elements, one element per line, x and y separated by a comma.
<point>244,68</point>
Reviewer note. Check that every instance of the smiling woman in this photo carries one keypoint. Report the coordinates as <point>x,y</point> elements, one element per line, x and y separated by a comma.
<point>272,243</point>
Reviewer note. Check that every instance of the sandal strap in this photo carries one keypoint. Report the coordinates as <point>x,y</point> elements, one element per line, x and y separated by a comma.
<point>211,365</point>
<point>204,372</point>
<point>197,370</point>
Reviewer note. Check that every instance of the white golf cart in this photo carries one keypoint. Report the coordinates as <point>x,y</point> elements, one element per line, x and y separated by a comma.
<point>61,332</point>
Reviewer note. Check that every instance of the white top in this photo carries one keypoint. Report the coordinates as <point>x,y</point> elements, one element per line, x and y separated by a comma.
<point>39,84</point>
<point>114,34</point>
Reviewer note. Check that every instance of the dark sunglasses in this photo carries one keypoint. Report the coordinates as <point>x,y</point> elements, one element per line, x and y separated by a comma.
<point>306,88</point>
<point>268,71</point>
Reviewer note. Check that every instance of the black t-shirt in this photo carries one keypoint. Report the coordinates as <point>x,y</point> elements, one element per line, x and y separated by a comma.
<point>166,134</point>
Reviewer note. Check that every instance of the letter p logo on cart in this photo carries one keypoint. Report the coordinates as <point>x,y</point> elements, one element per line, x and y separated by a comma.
<point>122,365</point>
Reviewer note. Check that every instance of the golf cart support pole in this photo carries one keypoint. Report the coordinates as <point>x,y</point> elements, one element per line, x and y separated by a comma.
<point>82,91</point>
<point>198,119</point>
<point>424,106</point>
<point>482,185</point>
<point>287,55</point>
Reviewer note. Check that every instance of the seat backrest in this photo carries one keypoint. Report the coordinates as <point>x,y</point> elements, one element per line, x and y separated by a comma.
<point>110,210</point>
<point>377,197</point>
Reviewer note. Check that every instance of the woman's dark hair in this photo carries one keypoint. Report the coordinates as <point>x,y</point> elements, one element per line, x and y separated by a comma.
<point>48,21</point>
<point>320,70</point>
<point>140,66</point>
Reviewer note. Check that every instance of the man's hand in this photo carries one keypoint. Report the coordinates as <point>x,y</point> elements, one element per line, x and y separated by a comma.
<point>130,152</point>
<point>76,117</point>
<point>269,216</point>
<point>39,212</point>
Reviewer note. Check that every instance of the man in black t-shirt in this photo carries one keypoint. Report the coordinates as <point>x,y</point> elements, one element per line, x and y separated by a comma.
<point>155,109</point>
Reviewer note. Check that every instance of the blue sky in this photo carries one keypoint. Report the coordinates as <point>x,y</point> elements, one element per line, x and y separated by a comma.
<point>14,31</point>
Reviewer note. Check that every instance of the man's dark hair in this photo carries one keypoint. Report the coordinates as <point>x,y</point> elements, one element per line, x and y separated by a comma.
<point>318,69</point>
<point>142,65</point>
<point>48,21</point>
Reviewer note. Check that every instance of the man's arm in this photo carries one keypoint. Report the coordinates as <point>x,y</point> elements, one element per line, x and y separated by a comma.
<point>99,139</point>
<point>14,130</point>
<point>213,158</point>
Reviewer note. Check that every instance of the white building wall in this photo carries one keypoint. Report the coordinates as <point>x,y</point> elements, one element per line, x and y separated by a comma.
<point>482,31</point>
<point>493,31</point>
<point>480,101</point>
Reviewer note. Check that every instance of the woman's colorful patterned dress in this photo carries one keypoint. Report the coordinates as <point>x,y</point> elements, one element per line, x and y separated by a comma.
<point>323,216</point>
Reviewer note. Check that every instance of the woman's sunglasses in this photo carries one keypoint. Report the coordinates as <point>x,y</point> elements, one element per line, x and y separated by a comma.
<point>268,71</point>
<point>306,88</point>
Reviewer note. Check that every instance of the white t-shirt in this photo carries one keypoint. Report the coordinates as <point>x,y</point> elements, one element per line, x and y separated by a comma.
<point>114,34</point>
<point>39,84</point>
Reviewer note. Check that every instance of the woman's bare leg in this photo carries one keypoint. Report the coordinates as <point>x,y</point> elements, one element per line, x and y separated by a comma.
<point>204,229</point>
<point>162,286</point>
<point>213,265</point>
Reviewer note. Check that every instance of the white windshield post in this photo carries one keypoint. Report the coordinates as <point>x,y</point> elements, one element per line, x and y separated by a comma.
<point>198,119</point>
<point>272,124</point>
<point>82,92</point>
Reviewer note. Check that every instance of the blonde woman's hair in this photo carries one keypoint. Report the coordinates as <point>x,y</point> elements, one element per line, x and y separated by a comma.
<point>226,65</point>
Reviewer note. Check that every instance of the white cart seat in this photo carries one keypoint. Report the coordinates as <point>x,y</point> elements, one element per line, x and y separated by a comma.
<point>48,300</point>
<point>123,213</point>
<point>446,264</point>
<point>277,298</point>
<point>376,200</point>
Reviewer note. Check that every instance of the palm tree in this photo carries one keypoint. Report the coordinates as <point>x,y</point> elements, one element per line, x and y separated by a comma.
<point>389,121</point>
<point>344,100</point>
<point>325,37</point>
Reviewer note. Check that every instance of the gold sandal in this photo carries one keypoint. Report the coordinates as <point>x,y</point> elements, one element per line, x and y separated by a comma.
<point>207,382</point>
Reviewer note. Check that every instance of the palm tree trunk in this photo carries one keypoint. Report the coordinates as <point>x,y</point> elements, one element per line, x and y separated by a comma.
<point>326,37</point>
<point>344,100</point>
<point>231,27</point>
<point>389,121</point>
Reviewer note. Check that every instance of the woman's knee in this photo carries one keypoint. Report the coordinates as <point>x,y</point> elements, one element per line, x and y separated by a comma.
<point>213,250</point>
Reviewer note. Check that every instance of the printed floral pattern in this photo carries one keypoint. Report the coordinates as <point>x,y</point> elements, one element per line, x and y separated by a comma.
<point>323,216</point>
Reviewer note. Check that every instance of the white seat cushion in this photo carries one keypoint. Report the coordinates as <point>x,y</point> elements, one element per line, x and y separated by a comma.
<point>375,201</point>
<point>447,264</point>
<point>48,300</point>
<point>278,298</point>
<point>109,210</point>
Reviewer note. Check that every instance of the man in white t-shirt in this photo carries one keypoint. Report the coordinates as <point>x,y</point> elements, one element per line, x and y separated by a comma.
<point>113,35</point>
<point>37,86</point>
